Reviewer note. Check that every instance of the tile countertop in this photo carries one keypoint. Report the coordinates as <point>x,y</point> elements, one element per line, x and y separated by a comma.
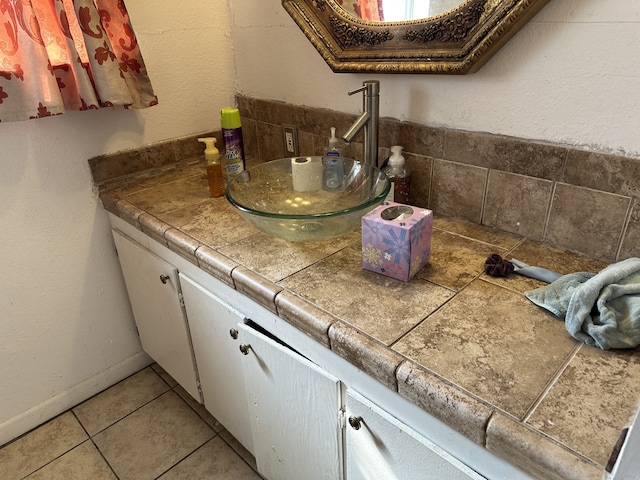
<point>469,349</point>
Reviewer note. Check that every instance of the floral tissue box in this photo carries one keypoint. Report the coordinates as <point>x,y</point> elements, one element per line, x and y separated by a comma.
<point>396,240</point>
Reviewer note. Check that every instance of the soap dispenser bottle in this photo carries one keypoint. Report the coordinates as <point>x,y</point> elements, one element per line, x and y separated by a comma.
<point>399,176</point>
<point>334,165</point>
<point>215,177</point>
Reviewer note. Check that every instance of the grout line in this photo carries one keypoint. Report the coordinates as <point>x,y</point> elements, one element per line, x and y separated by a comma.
<point>547,218</point>
<point>551,383</point>
<point>625,230</point>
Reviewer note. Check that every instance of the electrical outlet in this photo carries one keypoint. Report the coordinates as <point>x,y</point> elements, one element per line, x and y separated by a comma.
<point>290,138</point>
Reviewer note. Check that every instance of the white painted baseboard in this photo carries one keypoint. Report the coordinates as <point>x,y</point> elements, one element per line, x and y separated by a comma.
<point>35,416</point>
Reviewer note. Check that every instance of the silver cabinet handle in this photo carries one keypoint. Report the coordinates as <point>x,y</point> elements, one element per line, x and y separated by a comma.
<point>355,422</point>
<point>244,348</point>
<point>234,333</point>
<point>165,278</point>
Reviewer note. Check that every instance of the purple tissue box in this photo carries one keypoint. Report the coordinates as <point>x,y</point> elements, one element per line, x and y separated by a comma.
<point>396,240</point>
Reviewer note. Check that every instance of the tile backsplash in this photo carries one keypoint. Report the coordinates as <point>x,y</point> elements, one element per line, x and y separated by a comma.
<point>584,201</point>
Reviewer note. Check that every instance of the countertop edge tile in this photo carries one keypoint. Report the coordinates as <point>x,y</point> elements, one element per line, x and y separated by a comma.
<point>445,402</point>
<point>256,287</point>
<point>372,357</point>
<point>109,202</point>
<point>153,227</point>
<point>534,453</point>
<point>305,316</point>
<point>130,213</point>
<point>216,264</point>
<point>182,244</point>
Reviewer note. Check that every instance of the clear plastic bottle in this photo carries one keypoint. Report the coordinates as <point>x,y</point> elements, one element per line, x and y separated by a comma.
<point>399,176</point>
<point>215,176</point>
<point>334,165</point>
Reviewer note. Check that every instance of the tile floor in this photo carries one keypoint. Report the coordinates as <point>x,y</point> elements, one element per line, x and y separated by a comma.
<point>145,427</point>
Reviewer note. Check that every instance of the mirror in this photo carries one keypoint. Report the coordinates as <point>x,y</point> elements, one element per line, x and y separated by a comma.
<point>441,36</point>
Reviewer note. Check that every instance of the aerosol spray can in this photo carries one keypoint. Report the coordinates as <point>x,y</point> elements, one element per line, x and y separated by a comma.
<point>232,137</point>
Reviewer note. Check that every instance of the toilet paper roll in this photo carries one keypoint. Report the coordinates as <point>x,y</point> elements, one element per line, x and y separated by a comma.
<point>306,174</point>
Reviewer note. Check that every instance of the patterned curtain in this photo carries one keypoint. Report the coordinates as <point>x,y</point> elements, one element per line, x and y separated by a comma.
<point>58,55</point>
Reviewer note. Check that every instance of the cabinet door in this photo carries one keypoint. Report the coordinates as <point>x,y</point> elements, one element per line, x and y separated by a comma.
<point>214,334</point>
<point>378,446</point>
<point>154,293</point>
<point>294,408</point>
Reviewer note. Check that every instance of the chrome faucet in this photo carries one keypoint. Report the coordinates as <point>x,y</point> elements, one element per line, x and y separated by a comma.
<point>368,121</point>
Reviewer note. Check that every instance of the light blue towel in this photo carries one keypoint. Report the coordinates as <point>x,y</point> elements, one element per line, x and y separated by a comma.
<point>538,273</point>
<point>600,310</point>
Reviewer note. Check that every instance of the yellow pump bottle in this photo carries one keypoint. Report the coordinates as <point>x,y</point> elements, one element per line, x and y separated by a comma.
<point>215,176</point>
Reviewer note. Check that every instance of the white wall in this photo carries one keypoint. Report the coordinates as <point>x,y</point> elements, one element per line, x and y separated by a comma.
<point>66,329</point>
<point>570,76</point>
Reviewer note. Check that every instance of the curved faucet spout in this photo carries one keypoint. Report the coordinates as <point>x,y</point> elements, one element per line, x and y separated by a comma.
<point>368,121</point>
<point>356,127</point>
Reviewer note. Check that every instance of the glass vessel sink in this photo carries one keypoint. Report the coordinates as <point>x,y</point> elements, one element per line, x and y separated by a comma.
<point>305,199</point>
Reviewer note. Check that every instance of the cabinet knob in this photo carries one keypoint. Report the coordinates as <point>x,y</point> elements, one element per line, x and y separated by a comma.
<point>165,278</point>
<point>355,422</point>
<point>244,348</point>
<point>234,333</point>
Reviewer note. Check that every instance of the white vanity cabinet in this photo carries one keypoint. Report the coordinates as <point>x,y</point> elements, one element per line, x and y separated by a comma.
<point>283,408</point>
<point>295,409</point>
<point>155,296</point>
<point>284,396</point>
<point>214,333</point>
<point>380,446</point>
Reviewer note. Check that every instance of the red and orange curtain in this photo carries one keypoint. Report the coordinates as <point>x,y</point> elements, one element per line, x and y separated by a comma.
<point>58,55</point>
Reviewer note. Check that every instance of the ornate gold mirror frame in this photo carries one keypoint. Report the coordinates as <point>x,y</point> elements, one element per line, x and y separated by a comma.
<point>459,41</point>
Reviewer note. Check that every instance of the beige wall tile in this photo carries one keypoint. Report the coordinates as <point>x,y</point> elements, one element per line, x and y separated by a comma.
<point>514,155</point>
<point>587,221</point>
<point>420,168</point>
<point>457,190</point>
<point>270,144</point>
<point>420,139</point>
<point>631,239</point>
<point>517,204</point>
<point>600,171</point>
<point>250,140</point>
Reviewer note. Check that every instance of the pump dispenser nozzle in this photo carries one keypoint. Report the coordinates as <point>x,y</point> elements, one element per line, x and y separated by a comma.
<point>396,159</point>
<point>211,153</point>
<point>333,141</point>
